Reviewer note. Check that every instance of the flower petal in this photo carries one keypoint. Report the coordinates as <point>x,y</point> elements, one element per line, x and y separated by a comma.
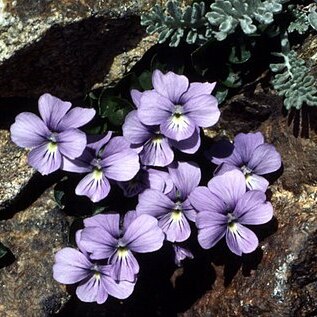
<point>71,266</point>
<point>181,254</point>
<point>124,266</point>
<point>229,187</point>
<point>29,130</point>
<point>76,118</point>
<point>120,290</point>
<point>96,142</point>
<point>185,176</point>
<point>87,290</point>
<point>265,159</point>
<point>189,210</point>
<point>99,242</point>
<point>197,89</point>
<point>119,162</point>
<point>190,145</point>
<point>203,110</point>
<point>256,182</point>
<point>160,180</point>
<point>241,240</point>
<point>109,222</point>
<point>52,110</point>
<point>211,228</point>
<point>178,127</point>
<point>71,143</point>
<point>203,200</point>
<point>176,229</point>
<point>252,208</point>
<point>94,187</point>
<point>136,97</point>
<point>157,152</point>
<point>45,159</point>
<point>154,108</point>
<point>135,131</point>
<point>154,203</point>
<point>143,235</point>
<point>78,165</point>
<point>170,85</point>
<point>246,144</point>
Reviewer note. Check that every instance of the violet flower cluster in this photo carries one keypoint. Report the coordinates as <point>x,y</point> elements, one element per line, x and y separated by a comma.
<point>169,116</point>
<point>171,202</point>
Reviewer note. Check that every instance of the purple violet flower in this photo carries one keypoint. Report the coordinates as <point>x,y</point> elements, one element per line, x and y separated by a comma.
<point>174,209</point>
<point>147,178</point>
<point>224,207</point>
<point>105,239</point>
<point>181,253</point>
<point>95,281</point>
<point>177,107</point>
<point>156,149</point>
<point>52,136</point>
<point>102,160</point>
<point>253,157</point>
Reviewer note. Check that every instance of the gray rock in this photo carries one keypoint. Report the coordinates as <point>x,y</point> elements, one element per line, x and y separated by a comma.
<point>34,235</point>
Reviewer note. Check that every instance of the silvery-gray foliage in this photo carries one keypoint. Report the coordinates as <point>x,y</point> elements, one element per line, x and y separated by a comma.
<point>312,19</point>
<point>226,15</point>
<point>301,23</point>
<point>176,23</point>
<point>293,81</point>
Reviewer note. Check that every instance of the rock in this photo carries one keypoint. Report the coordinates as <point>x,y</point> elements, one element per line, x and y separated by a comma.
<point>14,173</point>
<point>65,47</point>
<point>33,236</point>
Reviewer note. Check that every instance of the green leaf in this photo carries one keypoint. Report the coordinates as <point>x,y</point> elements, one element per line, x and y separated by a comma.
<point>233,80</point>
<point>3,250</point>
<point>312,19</point>
<point>145,80</point>
<point>221,93</point>
<point>239,54</point>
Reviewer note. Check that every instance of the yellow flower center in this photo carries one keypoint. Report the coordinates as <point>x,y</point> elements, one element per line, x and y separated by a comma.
<point>97,174</point>
<point>176,215</point>
<point>52,147</point>
<point>122,252</point>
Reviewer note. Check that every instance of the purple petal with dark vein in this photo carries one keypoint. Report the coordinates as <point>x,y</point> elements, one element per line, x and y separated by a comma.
<point>178,129</point>
<point>185,176</point>
<point>157,153</point>
<point>79,244</point>
<point>256,182</point>
<point>71,143</point>
<point>135,131</point>
<point>97,241</point>
<point>234,159</point>
<point>229,187</point>
<point>203,200</point>
<point>241,240</point>
<point>203,110</point>
<point>181,254</point>
<point>109,222</point>
<point>71,266</point>
<point>170,85</point>
<point>154,108</point>
<point>76,118</point>
<point>44,160</point>
<point>197,89</point>
<point>246,144</point>
<point>143,235</point>
<point>120,290</point>
<point>190,145</point>
<point>154,203</point>
<point>189,210</point>
<point>102,294</point>
<point>136,96</point>
<point>94,188</point>
<point>176,230</point>
<point>252,208</point>
<point>129,217</point>
<point>29,130</point>
<point>87,291</point>
<point>52,110</point>
<point>119,161</point>
<point>124,267</point>
<point>224,168</point>
<point>211,228</point>
<point>265,159</point>
<point>78,165</point>
<point>159,180</point>
<point>96,142</point>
